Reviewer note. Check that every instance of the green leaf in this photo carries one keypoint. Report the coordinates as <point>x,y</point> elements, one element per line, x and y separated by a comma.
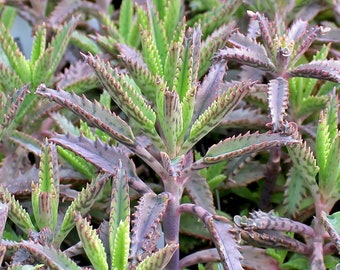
<point>51,257</point>
<point>120,253</point>
<point>304,161</point>
<point>172,17</point>
<point>16,213</point>
<point>172,124</point>
<point>329,184</point>
<point>145,233</point>
<point>248,143</point>
<point>119,218</point>
<point>311,104</point>
<point>40,66</point>
<point>212,116</point>
<point>86,44</point>
<point>83,203</point>
<point>59,44</point>
<point>8,15</point>
<point>92,245</point>
<point>332,225</point>
<point>94,113</point>
<point>125,18</point>
<point>322,144</point>
<point>159,259</point>
<point>39,44</point>
<point>9,79</point>
<point>16,59</point>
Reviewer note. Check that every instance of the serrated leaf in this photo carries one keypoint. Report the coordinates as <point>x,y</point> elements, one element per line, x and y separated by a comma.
<point>138,70</point>
<point>187,68</point>
<point>144,232</point>
<point>278,101</point>
<point>3,217</point>
<point>172,17</point>
<point>16,212</point>
<point>312,104</point>
<point>92,245</point>
<point>39,43</point>
<point>332,225</point>
<point>329,184</point>
<point>199,192</point>
<point>53,258</point>
<point>247,57</point>
<point>212,116</point>
<point>124,91</point>
<point>248,143</point>
<point>294,192</point>
<point>125,18</point>
<point>40,66</point>
<point>217,40</point>
<point>28,142</point>
<point>59,44</point>
<point>322,144</point>
<point>224,239</point>
<point>16,59</point>
<point>83,203</point>
<point>305,163</point>
<point>172,124</point>
<point>324,70</point>
<point>159,259</point>
<point>9,79</point>
<point>122,241</point>
<point>94,113</point>
<point>119,213</point>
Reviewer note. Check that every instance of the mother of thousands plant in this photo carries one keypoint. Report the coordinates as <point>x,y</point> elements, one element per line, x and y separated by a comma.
<point>169,112</point>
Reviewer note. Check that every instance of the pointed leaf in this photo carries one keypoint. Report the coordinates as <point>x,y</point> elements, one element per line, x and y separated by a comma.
<point>332,225</point>
<point>92,245</point>
<point>16,212</point>
<point>248,143</point>
<point>247,57</point>
<point>217,40</point>
<point>83,203</point>
<point>322,144</point>
<point>199,191</point>
<point>172,16</point>
<point>122,241</point>
<point>297,30</point>
<point>59,44</point>
<point>324,70</point>
<point>94,113</point>
<point>119,211</point>
<point>144,232</point>
<point>312,104</point>
<point>278,101</point>
<point>28,142</point>
<point>138,70</point>
<point>53,258</point>
<point>39,43</point>
<point>8,78</point>
<point>159,259</point>
<point>125,18</point>
<point>16,59</point>
<point>224,239</point>
<point>172,124</point>
<point>212,116</point>
<point>305,163</point>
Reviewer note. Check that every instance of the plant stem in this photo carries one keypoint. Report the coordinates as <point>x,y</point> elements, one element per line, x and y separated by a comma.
<point>171,219</point>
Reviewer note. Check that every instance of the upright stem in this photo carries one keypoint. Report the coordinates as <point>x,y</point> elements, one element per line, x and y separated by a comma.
<point>171,218</point>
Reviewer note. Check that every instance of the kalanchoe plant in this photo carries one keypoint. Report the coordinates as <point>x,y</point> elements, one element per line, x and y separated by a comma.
<point>161,97</point>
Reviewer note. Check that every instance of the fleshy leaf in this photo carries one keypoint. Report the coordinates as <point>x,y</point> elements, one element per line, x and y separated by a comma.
<point>212,116</point>
<point>247,57</point>
<point>16,212</point>
<point>125,18</point>
<point>50,256</point>
<point>119,218</point>
<point>278,101</point>
<point>224,239</point>
<point>92,245</point>
<point>83,203</point>
<point>159,259</point>
<point>94,113</point>
<point>332,225</point>
<point>305,163</point>
<point>144,232</point>
<point>9,79</point>
<point>324,70</point>
<point>248,143</point>
<point>39,43</point>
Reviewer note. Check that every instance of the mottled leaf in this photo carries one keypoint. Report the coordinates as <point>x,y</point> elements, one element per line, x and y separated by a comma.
<point>144,232</point>
<point>332,225</point>
<point>324,70</point>
<point>278,101</point>
<point>92,245</point>
<point>94,113</point>
<point>159,259</point>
